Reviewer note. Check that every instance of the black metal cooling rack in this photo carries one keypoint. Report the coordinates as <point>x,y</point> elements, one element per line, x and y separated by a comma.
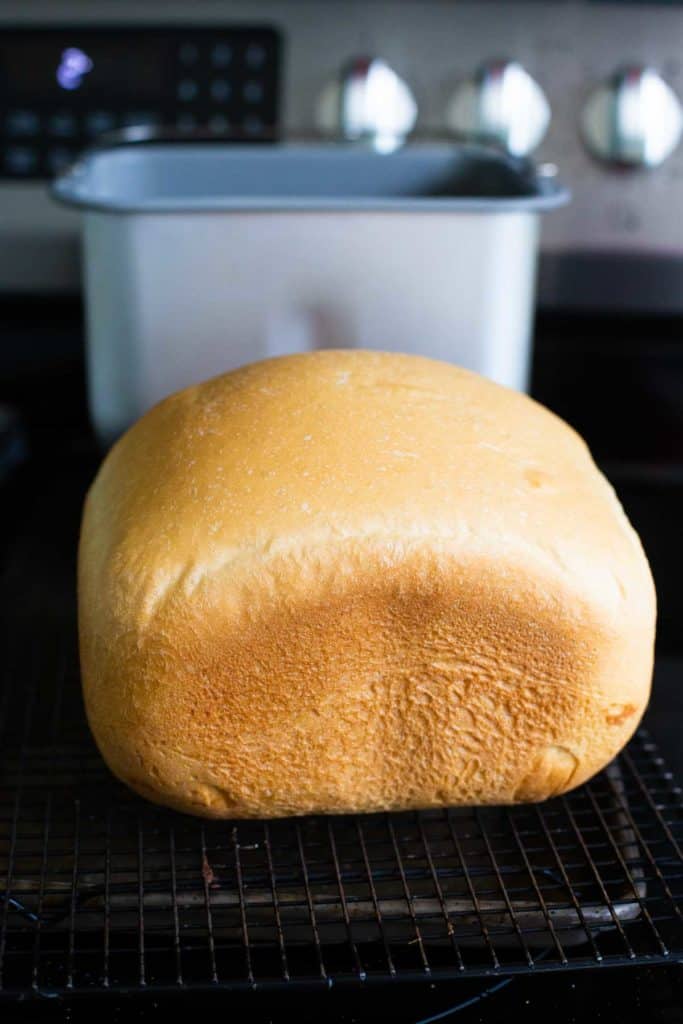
<point>103,893</point>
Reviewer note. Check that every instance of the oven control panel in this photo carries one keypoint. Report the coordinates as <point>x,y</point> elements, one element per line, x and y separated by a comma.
<point>61,87</point>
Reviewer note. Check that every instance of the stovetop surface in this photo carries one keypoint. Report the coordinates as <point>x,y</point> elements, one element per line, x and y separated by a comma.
<point>39,517</point>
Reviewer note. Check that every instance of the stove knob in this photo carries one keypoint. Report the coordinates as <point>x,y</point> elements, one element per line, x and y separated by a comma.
<point>502,104</point>
<point>369,103</point>
<point>633,120</point>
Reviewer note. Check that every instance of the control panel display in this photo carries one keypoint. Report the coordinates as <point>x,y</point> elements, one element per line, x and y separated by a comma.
<point>61,88</point>
<point>95,67</point>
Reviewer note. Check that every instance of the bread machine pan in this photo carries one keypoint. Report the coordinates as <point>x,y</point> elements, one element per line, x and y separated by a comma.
<point>199,257</point>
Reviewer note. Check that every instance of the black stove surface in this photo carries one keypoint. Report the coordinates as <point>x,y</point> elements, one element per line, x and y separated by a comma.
<point>40,516</point>
<point>43,381</point>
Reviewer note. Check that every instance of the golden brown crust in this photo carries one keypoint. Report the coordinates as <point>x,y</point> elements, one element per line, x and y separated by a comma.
<point>351,581</point>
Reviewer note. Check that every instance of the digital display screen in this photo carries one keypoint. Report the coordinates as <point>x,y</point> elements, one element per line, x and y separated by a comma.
<point>62,87</point>
<point>83,64</point>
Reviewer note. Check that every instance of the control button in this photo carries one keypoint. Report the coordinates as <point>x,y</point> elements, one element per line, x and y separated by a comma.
<point>188,54</point>
<point>59,157</point>
<point>219,124</point>
<point>140,117</point>
<point>99,121</point>
<point>634,119</point>
<point>20,159</point>
<point>255,56</point>
<point>220,90</point>
<point>367,101</point>
<point>187,90</point>
<point>22,122</point>
<point>253,125</point>
<point>63,124</point>
<point>253,92</point>
<point>502,104</point>
<point>186,123</point>
<point>221,55</point>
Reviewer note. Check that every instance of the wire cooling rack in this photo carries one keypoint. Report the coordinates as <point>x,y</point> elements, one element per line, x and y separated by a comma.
<point>101,892</point>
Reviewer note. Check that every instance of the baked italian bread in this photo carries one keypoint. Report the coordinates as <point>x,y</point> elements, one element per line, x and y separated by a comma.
<point>355,581</point>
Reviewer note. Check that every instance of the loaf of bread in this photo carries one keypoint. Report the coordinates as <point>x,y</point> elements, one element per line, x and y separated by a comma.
<point>354,581</point>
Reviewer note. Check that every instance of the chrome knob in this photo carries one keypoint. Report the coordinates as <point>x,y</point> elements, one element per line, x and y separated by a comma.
<point>633,119</point>
<point>368,103</point>
<point>502,104</point>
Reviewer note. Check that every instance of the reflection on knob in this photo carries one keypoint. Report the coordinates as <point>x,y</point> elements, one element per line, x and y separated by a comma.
<point>634,119</point>
<point>369,102</point>
<point>501,104</point>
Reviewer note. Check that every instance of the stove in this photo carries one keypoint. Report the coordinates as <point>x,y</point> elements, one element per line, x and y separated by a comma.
<point>109,905</point>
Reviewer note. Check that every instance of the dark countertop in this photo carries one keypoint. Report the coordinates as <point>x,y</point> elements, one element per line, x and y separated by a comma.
<point>39,512</point>
<point>627,996</point>
<point>664,717</point>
